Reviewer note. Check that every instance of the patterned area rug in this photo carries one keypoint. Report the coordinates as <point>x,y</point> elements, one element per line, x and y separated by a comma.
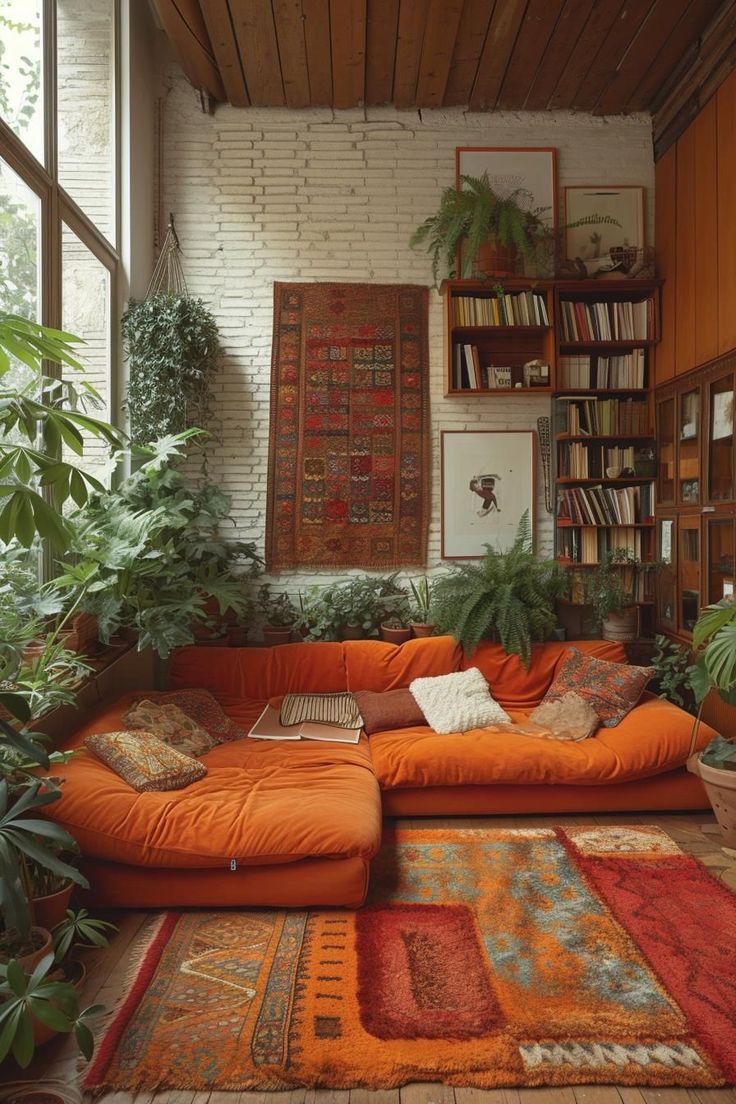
<point>488,958</point>
<point>348,478</point>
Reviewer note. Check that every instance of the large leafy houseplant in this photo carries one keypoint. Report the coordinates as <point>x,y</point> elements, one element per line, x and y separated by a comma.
<point>508,596</point>
<point>174,351</point>
<point>714,647</point>
<point>153,553</point>
<point>475,215</point>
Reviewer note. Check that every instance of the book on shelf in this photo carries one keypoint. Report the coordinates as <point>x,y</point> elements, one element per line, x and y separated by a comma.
<point>626,372</point>
<point>606,417</point>
<point>605,505</point>
<point>607,321</point>
<point>521,308</point>
<point>581,460</point>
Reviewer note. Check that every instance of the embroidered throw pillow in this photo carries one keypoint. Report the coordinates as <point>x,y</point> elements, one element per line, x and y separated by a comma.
<point>172,725</point>
<point>457,702</point>
<point>205,709</point>
<point>568,718</point>
<point>387,710</point>
<point>145,762</point>
<point>613,689</point>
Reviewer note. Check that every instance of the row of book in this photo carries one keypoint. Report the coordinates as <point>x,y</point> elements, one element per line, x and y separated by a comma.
<point>606,417</point>
<point>523,308</point>
<point>616,372</point>
<point>610,321</point>
<point>589,546</point>
<point>580,460</point>
<point>605,505</point>
<point>468,374</point>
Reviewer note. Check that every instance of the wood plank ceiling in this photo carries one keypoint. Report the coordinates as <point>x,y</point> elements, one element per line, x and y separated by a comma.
<point>604,56</point>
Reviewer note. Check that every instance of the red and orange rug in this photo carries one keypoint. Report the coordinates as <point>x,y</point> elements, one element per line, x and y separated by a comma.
<point>483,957</point>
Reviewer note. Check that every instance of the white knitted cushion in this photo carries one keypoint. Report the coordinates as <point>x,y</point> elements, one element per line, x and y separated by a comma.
<point>457,702</point>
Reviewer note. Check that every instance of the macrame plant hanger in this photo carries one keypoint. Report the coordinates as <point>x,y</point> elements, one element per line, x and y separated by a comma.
<point>168,275</point>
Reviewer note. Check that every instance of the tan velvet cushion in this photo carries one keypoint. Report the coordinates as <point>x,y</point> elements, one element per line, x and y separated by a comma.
<point>389,709</point>
<point>568,718</point>
<point>145,762</point>
<point>172,725</point>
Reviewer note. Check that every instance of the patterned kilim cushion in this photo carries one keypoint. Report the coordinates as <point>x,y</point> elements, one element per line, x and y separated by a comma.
<point>331,709</point>
<point>613,689</point>
<point>145,762</point>
<point>203,708</point>
<point>172,725</point>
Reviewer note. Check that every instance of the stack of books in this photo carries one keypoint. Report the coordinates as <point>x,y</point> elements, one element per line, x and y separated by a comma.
<point>606,417</point>
<point>610,321</point>
<point>523,308</point>
<point>615,372</point>
<point>605,505</point>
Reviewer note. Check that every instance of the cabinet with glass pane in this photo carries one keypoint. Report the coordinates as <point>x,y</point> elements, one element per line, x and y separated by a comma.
<point>696,494</point>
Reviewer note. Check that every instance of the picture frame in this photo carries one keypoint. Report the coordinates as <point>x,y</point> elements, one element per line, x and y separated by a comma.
<point>488,481</point>
<point>533,168</point>
<point>623,202</point>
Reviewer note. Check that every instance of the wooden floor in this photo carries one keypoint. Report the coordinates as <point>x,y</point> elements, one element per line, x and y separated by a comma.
<point>696,833</point>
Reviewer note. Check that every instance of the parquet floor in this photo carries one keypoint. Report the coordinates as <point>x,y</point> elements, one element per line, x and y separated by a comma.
<point>696,833</point>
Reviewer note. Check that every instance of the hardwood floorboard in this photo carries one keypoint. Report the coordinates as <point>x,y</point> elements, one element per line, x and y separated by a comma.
<point>696,834</point>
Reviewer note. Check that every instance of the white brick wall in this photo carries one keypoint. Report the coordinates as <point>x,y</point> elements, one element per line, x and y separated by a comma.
<point>271,194</point>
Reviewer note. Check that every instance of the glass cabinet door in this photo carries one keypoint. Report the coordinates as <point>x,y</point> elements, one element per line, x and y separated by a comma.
<point>720,444</point>
<point>688,467</point>
<point>688,572</point>
<point>666,449</point>
<point>721,556</point>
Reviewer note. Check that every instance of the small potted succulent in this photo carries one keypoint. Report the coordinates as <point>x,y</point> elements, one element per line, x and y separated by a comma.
<point>279,615</point>
<point>420,622</point>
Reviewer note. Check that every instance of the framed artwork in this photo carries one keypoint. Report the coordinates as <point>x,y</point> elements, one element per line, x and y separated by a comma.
<point>488,481</point>
<point>625,204</point>
<point>534,169</point>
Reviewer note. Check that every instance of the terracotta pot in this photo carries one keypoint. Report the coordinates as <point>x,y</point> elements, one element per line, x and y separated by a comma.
<point>42,1033</point>
<point>622,626</point>
<point>81,633</point>
<point>395,636</point>
<point>51,909</point>
<point>720,786</point>
<point>42,945</point>
<point>497,260</point>
<point>277,634</point>
<point>419,629</point>
<point>351,632</point>
<point>33,650</point>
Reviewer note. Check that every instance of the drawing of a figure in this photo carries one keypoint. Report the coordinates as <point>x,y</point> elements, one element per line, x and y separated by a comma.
<point>485,487</point>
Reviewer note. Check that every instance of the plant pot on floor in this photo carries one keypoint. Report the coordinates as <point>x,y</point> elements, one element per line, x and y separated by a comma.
<point>720,785</point>
<point>395,635</point>
<point>42,943</point>
<point>418,628</point>
<point>76,975</point>
<point>622,626</point>
<point>51,909</point>
<point>277,634</point>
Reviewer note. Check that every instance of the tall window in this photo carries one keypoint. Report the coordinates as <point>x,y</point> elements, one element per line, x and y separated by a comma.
<point>59,194</point>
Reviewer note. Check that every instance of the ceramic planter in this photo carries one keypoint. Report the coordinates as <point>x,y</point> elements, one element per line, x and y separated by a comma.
<point>622,626</point>
<point>720,785</point>
<point>351,632</point>
<point>277,634</point>
<point>393,635</point>
<point>42,945</point>
<point>42,1033</point>
<point>420,629</point>
<point>51,909</point>
<point>80,634</point>
<point>497,260</point>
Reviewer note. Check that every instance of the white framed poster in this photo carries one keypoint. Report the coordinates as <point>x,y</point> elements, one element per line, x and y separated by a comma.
<point>532,169</point>
<point>624,203</point>
<point>488,482</point>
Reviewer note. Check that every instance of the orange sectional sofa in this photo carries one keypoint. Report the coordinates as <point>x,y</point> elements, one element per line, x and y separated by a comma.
<point>284,824</point>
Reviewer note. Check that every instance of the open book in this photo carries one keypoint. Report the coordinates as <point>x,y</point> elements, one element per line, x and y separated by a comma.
<point>269,727</point>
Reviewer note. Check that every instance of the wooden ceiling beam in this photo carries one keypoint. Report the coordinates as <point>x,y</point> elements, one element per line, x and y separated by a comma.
<point>594,34</point>
<point>688,28</point>
<point>412,21</point>
<point>611,53</point>
<point>380,50</point>
<point>471,36</point>
<point>443,21</point>
<point>536,30</point>
<point>319,51</point>
<point>185,28</point>
<point>568,29</point>
<point>498,48</point>
<point>347,37</point>
<point>216,14</point>
<point>255,34</point>
<point>288,17</point>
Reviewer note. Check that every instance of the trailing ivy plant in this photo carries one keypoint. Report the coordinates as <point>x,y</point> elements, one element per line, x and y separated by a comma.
<point>508,596</point>
<point>174,351</point>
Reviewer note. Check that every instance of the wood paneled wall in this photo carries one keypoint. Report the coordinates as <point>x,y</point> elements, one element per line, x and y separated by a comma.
<point>696,239</point>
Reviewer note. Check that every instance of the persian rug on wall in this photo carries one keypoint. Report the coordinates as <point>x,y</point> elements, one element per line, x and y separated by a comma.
<point>348,472</point>
<point>482,958</point>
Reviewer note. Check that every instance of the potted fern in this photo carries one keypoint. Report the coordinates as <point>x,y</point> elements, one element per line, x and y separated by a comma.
<point>497,232</point>
<point>509,596</point>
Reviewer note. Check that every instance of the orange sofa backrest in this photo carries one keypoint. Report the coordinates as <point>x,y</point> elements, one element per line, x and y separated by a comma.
<point>515,687</point>
<point>260,673</point>
<point>373,665</point>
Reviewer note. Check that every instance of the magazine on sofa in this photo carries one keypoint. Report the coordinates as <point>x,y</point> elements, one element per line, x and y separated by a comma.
<point>269,727</point>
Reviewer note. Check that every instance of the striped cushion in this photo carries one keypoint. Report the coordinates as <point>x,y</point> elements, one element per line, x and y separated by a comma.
<point>340,710</point>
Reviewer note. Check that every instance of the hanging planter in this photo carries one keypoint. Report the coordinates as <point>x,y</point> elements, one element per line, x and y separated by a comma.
<point>173,349</point>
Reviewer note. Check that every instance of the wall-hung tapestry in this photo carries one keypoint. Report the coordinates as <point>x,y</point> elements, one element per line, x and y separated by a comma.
<point>348,472</point>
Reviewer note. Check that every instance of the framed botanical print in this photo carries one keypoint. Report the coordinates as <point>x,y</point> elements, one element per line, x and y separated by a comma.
<point>624,204</point>
<point>488,482</point>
